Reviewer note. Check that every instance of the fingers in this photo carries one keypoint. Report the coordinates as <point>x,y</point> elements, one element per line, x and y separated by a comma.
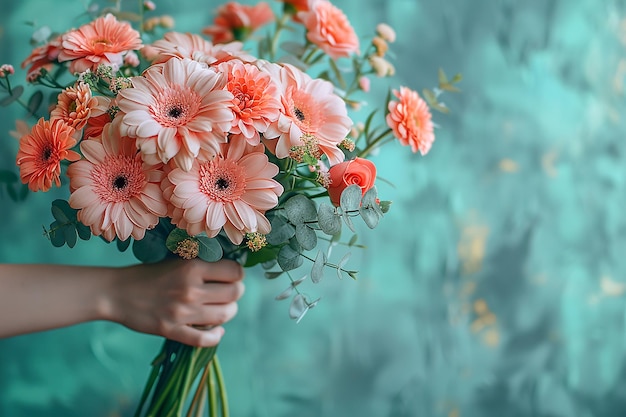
<point>221,293</point>
<point>213,314</point>
<point>222,271</point>
<point>196,337</point>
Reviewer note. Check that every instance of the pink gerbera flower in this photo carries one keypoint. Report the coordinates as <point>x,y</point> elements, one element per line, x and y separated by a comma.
<point>410,120</point>
<point>116,193</point>
<point>256,101</point>
<point>311,108</point>
<point>41,152</point>
<point>230,192</point>
<point>179,110</point>
<point>103,41</point>
<point>236,21</point>
<point>42,57</point>
<point>75,105</point>
<point>192,46</point>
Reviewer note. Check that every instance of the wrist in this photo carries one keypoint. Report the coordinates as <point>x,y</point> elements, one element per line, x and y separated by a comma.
<point>108,299</point>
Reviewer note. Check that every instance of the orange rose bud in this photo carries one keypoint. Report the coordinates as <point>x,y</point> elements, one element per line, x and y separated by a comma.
<point>359,171</point>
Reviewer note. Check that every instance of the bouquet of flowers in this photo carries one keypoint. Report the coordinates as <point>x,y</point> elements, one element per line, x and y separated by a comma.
<point>237,145</point>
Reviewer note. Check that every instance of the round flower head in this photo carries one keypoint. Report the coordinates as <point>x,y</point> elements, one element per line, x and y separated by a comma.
<point>311,108</point>
<point>236,21</point>
<point>42,57</point>
<point>410,120</point>
<point>116,193</point>
<point>41,152</point>
<point>103,41</point>
<point>75,105</point>
<point>255,103</point>
<point>328,28</point>
<point>231,191</point>
<point>178,111</point>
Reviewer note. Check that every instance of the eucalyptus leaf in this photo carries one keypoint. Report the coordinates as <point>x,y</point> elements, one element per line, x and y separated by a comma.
<point>151,248</point>
<point>342,262</point>
<point>84,232</point>
<point>175,236</point>
<point>69,231</point>
<point>328,220</point>
<point>122,245</point>
<point>370,216</point>
<point>261,256</point>
<point>298,307</point>
<point>317,271</point>
<point>34,102</point>
<point>285,294</point>
<point>300,209</point>
<point>59,214</point>
<point>56,235</point>
<point>16,93</point>
<point>281,231</point>
<point>307,238</point>
<point>210,249</point>
<point>350,199</point>
<point>288,258</point>
<point>299,281</point>
<point>273,274</point>
<point>370,200</point>
<point>349,223</point>
<point>353,239</point>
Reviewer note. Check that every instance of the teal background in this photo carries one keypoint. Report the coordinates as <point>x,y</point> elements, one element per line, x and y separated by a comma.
<point>495,286</point>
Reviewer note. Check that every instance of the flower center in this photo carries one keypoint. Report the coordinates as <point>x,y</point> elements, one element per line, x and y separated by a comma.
<point>305,112</point>
<point>175,112</point>
<point>176,106</point>
<point>120,182</point>
<point>299,114</point>
<point>222,180</point>
<point>118,179</point>
<point>46,153</point>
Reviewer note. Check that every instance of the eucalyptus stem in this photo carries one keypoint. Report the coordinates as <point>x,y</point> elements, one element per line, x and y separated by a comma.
<point>198,398</point>
<point>221,386</point>
<point>212,395</point>
<point>375,143</point>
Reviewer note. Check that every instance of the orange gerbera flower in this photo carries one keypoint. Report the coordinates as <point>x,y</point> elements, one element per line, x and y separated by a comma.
<point>75,105</point>
<point>41,152</point>
<point>103,41</point>
<point>328,28</point>
<point>42,58</point>
<point>236,21</point>
<point>410,120</point>
<point>116,193</point>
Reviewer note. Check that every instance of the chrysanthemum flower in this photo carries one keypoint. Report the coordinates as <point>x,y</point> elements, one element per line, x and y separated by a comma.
<point>230,192</point>
<point>41,152</point>
<point>236,21</point>
<point>328,28</point>
<point>309,107</point>
<point>410,120</point>
<point>192,46</point>
<point>103,41</point>
<point>116,193</point>
<point>256,101</point>
<point>75,105</point>
<point>178,110</point>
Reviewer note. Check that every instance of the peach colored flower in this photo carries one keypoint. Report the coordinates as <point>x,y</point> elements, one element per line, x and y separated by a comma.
<point>298,5</point>
<point>256,101</point>
<point>100,118</point>
<point>42,57</point>
<point>231,192</point>
<point>179,110</point>
<point>192,46</point>
<point>103,41</point>
<point>359,171</point>
<point>41,152</point>
<point>328,28</point>
<point>116,193</point>
<point>309,107</point>
<point>75,105</point>
<point>410,120</point>
<point>236,21</point>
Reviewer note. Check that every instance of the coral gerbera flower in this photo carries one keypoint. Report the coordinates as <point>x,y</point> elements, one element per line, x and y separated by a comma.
<point>75,105</point>
<point>410,120</point>
<point>256,101</point>
<point>231,191</point>
<point>311,108</point>
<point>236,21</point>
<point>328,28</point>
<point>41,152</point>
<point>178,110</point>
<point>116,193</point>
<point>42,57</point>
<point>103,41</point>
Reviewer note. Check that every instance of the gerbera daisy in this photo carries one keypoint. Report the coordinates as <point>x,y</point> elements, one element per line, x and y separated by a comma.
<point>231,191</point>
<point>410,120</point>
<point>75,105</point>
<point>41,152</point>
<point>179,110</point>
<point>309,107</point>
<point>116,193</point>
<point>236,21</point>
<point>256,101</point>
<point>103,41</point>
<point>42,57</point>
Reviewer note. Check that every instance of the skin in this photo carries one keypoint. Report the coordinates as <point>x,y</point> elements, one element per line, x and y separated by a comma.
<point>183,300</point>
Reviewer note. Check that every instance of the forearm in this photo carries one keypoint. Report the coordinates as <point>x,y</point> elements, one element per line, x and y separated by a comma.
<point>43,297</point>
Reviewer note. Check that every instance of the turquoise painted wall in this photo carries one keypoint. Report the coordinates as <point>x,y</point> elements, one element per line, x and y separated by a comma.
<point>494,288</point>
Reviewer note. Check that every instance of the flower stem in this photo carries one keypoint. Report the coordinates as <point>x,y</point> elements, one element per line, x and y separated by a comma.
<point>221,386</point>
<point>212,394</point>
<point>374,143</point>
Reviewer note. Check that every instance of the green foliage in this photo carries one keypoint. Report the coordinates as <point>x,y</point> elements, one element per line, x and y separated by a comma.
<point>151,248</point>
<point>10,182</point>
<point>13,96</point>
<point>65,229</point>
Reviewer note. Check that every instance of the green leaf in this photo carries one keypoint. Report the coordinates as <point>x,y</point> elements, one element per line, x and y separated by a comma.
<point>16,93</point>
<point>34,102</point>
<point>350,199</point>
<point>84,232</point>
<point>273,274</point>
<point>59,214</point>
<point>385,205</point>
<point>151,248</point>
<point>122,245</point>
<point>288,258</point>
<point>175,236</point>
<point>328,220</point>
<point>56,235</point>
<point>368,122</point>
<point>23,192</point>
<point>281,231</point>
<point>307,238</point>
<point>210,249</point>
<point>7,176</point>
<point>285,294</point>
<point>337,72</point>
<point>342,262</point>
<point>370,210</point>
<point>443,79</point>
<point>300,209</point>
<point>298,307</point>
<point>264,255</point>
<point>353,240</point>
<point>317,272</point>
<point>69,232</point>
<point>62,211</point>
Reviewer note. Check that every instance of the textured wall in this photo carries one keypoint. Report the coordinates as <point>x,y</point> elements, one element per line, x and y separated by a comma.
<point>495,286</point>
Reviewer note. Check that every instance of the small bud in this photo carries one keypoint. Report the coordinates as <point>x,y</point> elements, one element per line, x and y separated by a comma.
<point>149,5</point>
<point>381,46</point>
<point>386,32</point>
<point>364,83</point>
<point>167,21</point>
<point>255,241</point>
<point>381,66</point>
<point>6,69</point>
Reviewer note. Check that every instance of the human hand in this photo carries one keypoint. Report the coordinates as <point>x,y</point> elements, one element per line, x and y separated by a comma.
<point>182,300</point>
